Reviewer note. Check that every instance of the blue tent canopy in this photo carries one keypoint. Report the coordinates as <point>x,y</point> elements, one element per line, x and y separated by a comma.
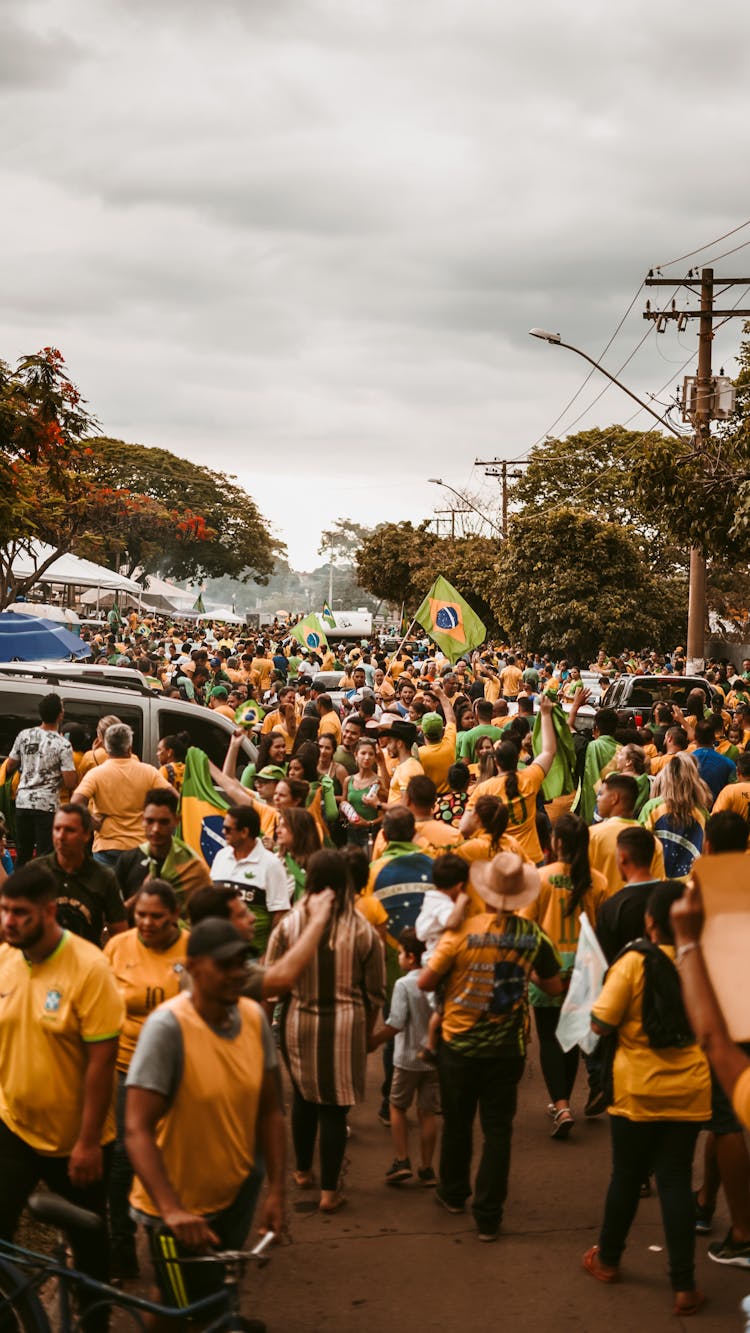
<point>28,639</point>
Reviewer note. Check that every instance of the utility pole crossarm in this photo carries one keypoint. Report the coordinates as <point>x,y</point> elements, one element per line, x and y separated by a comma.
<point>696,314</point>
<point>694,282</point>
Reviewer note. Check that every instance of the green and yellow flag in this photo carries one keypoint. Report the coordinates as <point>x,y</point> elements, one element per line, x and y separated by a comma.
<point>450,621</point>
<point>328,616</point>
<point>310,633</point>
<point>198,604</point>
<point>202,807</point>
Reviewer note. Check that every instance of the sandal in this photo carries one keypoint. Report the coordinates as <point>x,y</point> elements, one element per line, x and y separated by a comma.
<point>688,1302</point>
<point>593,1265</point>
<point>562,1123</point>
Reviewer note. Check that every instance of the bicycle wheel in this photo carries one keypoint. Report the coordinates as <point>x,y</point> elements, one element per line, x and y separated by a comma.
<point>23,1313</point>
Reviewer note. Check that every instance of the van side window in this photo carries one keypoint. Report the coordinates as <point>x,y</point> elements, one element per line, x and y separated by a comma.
<point>203,730</point>
<point>19,711</point>
<point>88,714</point>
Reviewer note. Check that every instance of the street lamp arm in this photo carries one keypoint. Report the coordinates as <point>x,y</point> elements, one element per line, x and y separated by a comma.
<point>556,341</point>
<point>436,481</point>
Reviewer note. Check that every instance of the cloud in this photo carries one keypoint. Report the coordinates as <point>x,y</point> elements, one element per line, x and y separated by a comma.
<point>317,234</point>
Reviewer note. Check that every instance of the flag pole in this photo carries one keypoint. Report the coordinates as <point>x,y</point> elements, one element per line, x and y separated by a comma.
<point>400,646</point>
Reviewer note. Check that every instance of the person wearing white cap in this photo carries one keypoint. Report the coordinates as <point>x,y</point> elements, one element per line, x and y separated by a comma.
<point>487,964</point>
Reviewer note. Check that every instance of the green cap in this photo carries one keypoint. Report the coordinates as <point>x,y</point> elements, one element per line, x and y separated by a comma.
<point>432,726</point>
<point>271,773</point>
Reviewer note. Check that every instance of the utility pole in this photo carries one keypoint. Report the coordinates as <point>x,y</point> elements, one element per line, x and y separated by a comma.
<point>701,417</point>
<point>449,514</point>
<point>498,467</point>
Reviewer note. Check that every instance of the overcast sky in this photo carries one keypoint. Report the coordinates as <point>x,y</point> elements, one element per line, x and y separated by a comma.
<point>303,240</point>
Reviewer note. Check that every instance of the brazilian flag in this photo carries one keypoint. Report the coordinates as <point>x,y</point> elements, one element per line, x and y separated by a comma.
<point>198,604</point>
<point>202,807</point>
<point>249,713</point>
<point>450,621</point>
<point>310,633</point>
<point>328,616</point>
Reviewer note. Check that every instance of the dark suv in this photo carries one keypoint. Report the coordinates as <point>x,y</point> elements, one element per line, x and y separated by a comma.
<point>635,696</point>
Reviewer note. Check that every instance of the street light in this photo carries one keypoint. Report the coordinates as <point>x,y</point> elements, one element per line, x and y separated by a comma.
<point>557,341</point>
<point>697,576</point>
<point>437,481</point>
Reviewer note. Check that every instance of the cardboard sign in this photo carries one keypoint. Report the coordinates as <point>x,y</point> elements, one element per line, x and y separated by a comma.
<point>725,885</point>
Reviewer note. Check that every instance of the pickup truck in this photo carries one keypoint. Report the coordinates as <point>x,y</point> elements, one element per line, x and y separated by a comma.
<point>634,696</point>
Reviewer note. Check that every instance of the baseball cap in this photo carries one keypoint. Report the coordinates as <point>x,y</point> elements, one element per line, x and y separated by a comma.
<point>215,661</point>
<point>271,773</point>
<point>217,939</point>
<point>432,726</point>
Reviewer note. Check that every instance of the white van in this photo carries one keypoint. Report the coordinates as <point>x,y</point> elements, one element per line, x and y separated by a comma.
<point>91,692</point>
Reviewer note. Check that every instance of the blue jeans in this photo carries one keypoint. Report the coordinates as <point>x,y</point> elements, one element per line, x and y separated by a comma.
<point>109,857</point>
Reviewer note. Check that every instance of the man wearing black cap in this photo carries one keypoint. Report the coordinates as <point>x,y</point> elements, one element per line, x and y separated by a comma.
<point>401,737</point>
<point>202,1102</point>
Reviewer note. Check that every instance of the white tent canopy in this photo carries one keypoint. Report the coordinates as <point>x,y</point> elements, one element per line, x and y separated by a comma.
<point>62,615</point>
<point>71,571</point>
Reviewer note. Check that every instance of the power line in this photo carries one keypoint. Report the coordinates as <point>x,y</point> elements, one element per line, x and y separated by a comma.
<point>707,246</point>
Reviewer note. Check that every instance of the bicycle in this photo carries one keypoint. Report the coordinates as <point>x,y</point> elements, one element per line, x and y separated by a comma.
<point>23,1272</point>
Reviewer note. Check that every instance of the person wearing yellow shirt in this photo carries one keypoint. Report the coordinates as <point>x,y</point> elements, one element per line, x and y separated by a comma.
<point>261,669</point>
<point>569,887</point>
<point>202,1098</point>
<point>439,750</point>
<point>117,790</point>
<point>511,677</point>
<point>148,964</point>
<point>283,718</point>
<point>60,1019</point>
<point>736,795</point>
<point>518,788</point>
<point>615,802</point>
<point>401,738</point>
<point>661,1097</point>
<point>330,724</point>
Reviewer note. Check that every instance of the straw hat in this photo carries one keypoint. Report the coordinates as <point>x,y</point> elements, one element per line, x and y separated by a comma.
<point>506,882</point>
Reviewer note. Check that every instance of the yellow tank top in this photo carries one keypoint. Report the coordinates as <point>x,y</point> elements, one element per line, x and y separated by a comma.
<point>207,1137</point>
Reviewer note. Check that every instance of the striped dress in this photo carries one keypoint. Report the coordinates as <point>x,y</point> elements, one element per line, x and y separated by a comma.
<point>324,1022</point>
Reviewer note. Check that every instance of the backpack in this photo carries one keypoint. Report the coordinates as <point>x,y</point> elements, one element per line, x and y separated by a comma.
<point>665,1022</point>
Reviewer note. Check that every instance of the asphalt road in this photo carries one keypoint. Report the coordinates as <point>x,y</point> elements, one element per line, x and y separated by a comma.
<point>393,1260</point>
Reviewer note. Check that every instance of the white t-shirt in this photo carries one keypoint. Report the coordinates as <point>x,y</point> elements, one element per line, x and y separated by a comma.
<point>43,756</point>
<point>431,922</point>
<point>261,871</point>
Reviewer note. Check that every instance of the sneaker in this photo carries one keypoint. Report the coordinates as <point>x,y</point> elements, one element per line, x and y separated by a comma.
<point>562,1124</point>
<point>728,1251</point>
<point>596,1103</point>
<point>426,1176</point>
<point>449,1207</point>
<point>399,1170</point>
<point>487,1237</point>
<point>703,1217</point>
<point>384,1114</point>
<point>551,1110</point>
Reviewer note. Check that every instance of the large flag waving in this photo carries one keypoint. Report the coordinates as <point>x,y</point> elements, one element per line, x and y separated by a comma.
<point>450,621</point>
<point>202,807</point>
<point>310,633</point>
<point>199,605</point>
<point>328,616</point>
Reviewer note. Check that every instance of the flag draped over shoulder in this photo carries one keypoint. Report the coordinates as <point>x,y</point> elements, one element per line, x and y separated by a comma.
<point>450,621</point>
<point>202,807</point>
<point>328,616</point>
<point>310,633</point>
<point>560,780</point>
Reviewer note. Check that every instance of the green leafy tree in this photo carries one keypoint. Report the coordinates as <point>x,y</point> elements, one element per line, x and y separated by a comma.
<point>577,583</point>
<point>399,562</point>
<point>218,528</point>
<point>343,540</point>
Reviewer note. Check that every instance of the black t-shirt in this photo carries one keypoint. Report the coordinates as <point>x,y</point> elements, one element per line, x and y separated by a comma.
<point>621,917</point>
<point>133,867</point>
<point>87,898</point>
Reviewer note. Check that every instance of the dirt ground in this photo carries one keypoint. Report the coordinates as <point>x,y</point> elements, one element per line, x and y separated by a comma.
<point>392,1259</point>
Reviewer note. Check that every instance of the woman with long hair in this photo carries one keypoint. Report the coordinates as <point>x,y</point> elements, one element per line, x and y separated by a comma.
<point>569,887</point>
<point>326,1022</point>
<point>297,838</point>
<point>327,767</point>
<point>677,813</point>
<point>356,789</point>
<point>303,763</point>
<point>484,766</point>
<point>485,830</point>
<point>306,731</point>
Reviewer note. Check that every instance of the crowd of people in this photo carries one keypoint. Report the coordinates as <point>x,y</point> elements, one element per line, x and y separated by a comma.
<point>404,865</point>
